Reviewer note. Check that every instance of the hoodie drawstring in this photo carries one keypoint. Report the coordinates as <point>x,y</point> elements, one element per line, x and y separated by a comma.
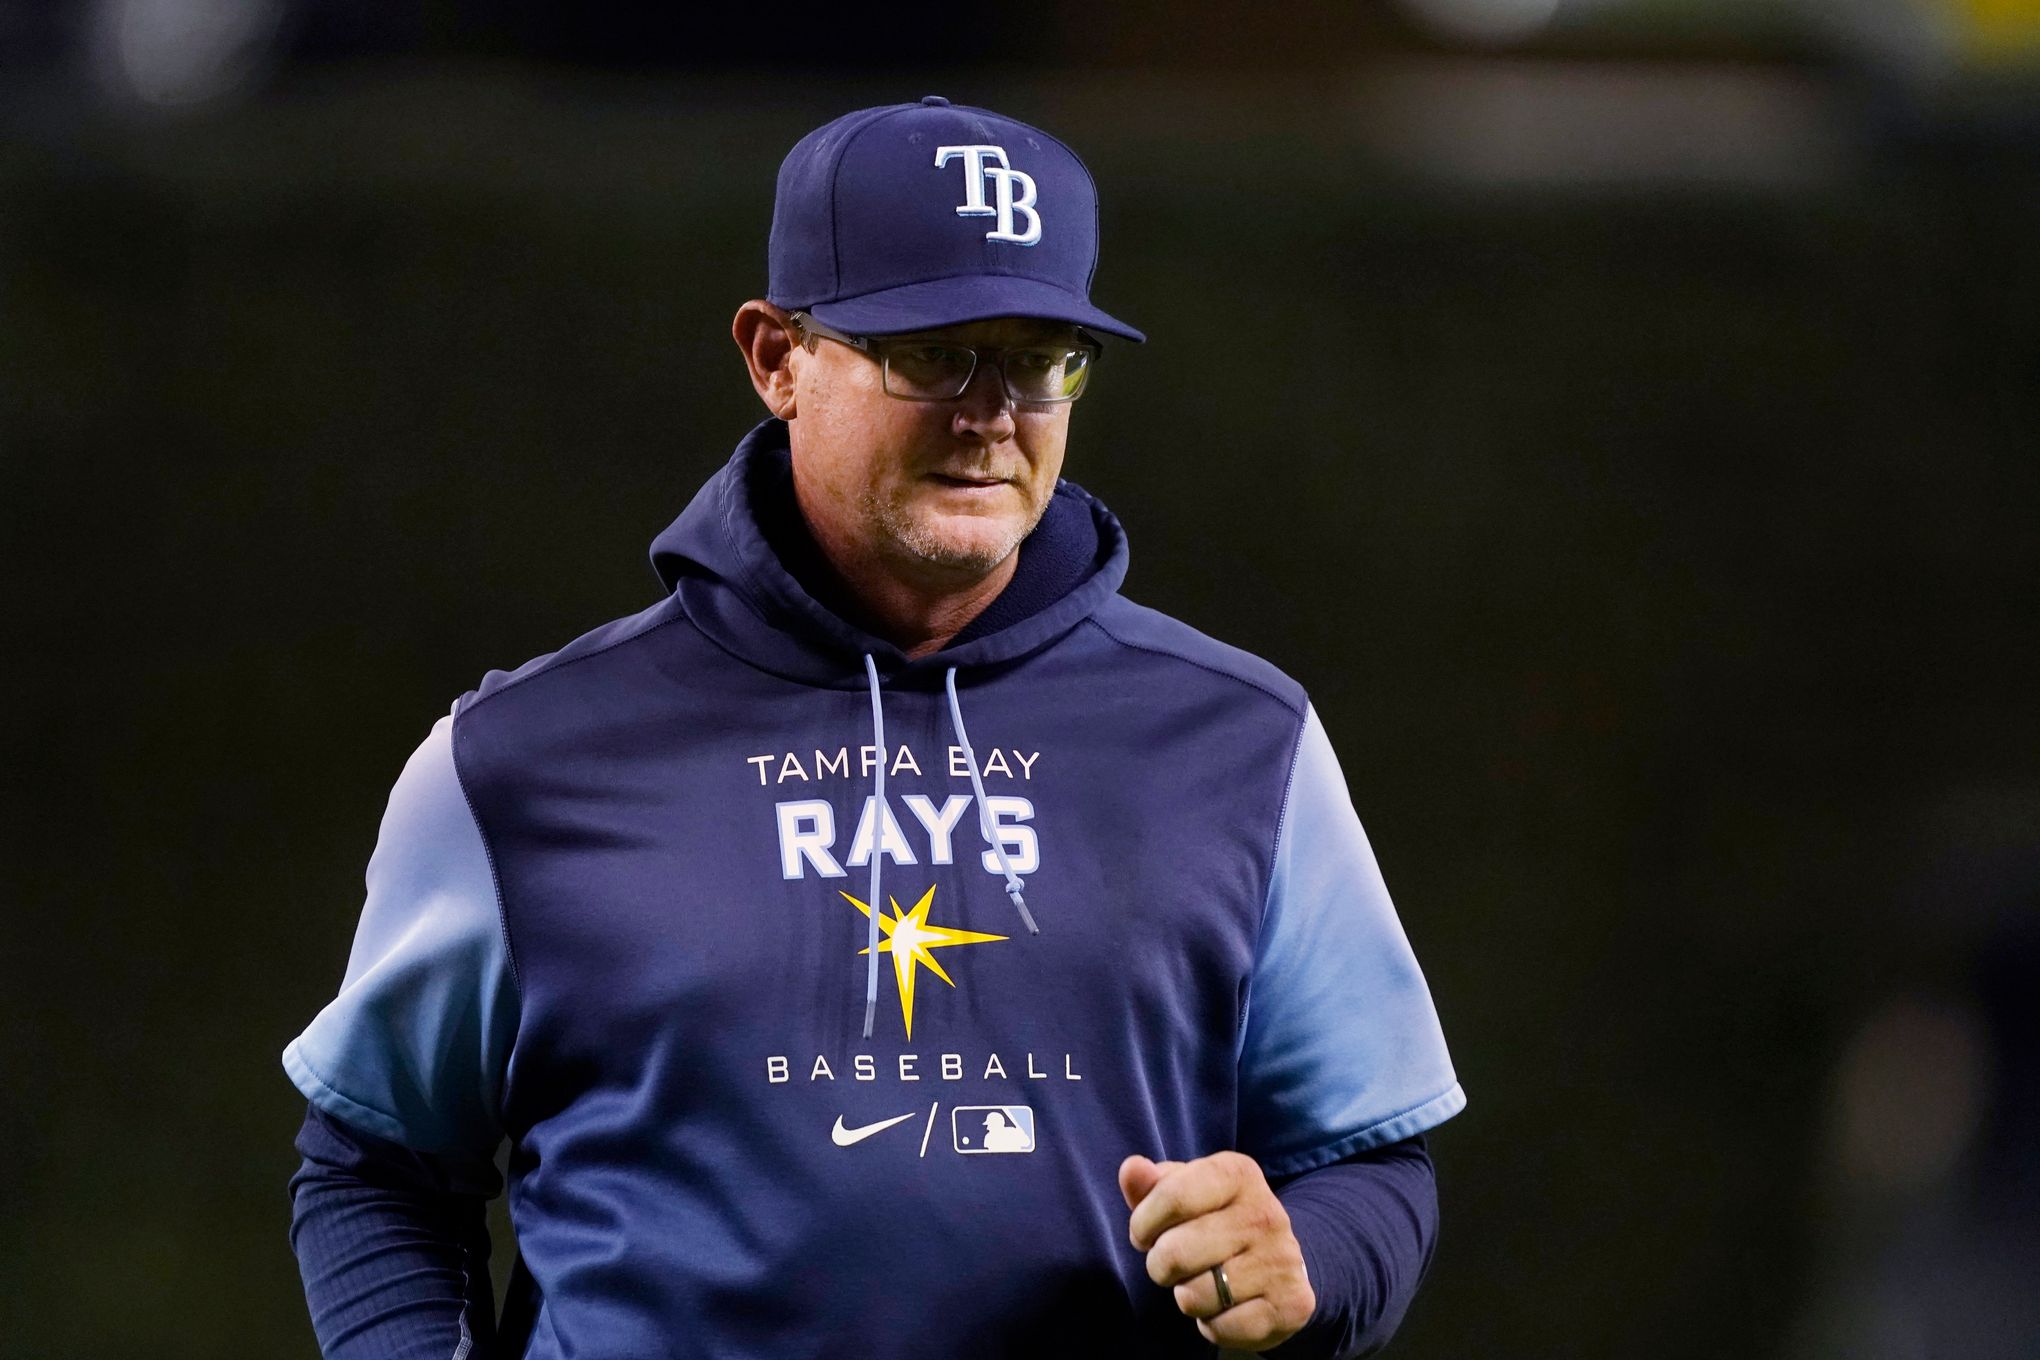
<point>977,784</point>
<point>881,816</point>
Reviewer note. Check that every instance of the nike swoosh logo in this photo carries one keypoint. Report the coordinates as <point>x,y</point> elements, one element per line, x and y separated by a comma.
<point>845,1137</point>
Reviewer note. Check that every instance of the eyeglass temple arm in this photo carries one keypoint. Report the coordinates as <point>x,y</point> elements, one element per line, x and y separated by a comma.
<point>804,322</point>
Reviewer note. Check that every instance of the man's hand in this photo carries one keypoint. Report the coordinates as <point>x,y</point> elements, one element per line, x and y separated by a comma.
<point>1220,1210</point>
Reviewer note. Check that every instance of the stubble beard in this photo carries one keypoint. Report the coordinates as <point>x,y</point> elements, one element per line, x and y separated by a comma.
<point>924,542</point>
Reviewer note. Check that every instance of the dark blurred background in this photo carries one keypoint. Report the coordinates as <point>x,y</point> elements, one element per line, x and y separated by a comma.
<point>1618,413</point>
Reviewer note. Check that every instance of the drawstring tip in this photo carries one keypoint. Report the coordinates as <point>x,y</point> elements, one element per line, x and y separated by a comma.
<point>1025,915</point>
<point>870,1007</point>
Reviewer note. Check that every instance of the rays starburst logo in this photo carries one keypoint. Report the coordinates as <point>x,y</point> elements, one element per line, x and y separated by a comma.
<point>911,942</point>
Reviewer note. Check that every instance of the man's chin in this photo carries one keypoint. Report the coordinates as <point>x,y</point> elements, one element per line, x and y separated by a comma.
<point>970,560</point>
<point>975,547</point>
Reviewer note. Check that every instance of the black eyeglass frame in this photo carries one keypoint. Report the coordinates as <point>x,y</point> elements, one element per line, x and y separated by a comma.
<point>878,348</point>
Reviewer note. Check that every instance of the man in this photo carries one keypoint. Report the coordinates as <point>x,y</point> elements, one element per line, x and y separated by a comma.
<point>818,1021</point>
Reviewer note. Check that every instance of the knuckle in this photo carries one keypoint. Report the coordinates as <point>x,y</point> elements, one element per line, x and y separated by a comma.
<point>1156,1269</point>
<point>1248,1326</point>
<point>1162,1264</point>
<point>1238,1166</point>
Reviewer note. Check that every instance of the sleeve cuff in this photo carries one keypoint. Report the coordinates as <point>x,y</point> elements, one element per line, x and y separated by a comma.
<point>1393,1129</point>
<point>341,1107</point>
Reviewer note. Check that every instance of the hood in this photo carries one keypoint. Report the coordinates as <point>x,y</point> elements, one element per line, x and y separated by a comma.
<point>748,574</point>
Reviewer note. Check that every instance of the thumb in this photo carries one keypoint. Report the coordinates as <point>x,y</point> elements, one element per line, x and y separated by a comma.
<point>1138,1176</point>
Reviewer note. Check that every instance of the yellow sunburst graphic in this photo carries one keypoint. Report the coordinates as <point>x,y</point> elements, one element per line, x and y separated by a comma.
<point>909,937</point>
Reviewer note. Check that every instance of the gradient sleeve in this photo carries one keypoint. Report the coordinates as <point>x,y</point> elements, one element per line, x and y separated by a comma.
<point>414,1047</point>
<point>1341,1048</point>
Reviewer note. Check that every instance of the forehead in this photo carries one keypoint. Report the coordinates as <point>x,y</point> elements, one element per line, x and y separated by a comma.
<point>998,330</point>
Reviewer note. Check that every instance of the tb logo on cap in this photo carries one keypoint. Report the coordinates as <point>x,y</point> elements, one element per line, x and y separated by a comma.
<point>977,168</point>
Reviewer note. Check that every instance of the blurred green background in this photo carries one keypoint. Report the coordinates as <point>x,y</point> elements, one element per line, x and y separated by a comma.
<point>1622,426</point>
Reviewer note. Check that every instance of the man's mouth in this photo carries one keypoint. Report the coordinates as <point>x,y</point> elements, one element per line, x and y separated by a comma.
<point>949,479</point>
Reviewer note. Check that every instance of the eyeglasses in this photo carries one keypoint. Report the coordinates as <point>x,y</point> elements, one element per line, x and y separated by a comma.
<point>918,368</point>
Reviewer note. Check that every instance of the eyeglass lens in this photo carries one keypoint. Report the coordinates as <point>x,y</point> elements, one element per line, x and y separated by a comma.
<point>1046,373</point>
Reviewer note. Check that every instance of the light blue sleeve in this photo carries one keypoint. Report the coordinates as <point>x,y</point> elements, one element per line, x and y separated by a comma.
<point>414,1047</point>
<point>1341,1048</point>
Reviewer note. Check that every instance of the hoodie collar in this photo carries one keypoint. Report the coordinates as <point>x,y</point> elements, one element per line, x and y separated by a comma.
<point>750,575</point>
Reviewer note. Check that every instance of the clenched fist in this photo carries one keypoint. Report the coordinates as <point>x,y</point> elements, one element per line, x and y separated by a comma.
<point>1220,1210</point>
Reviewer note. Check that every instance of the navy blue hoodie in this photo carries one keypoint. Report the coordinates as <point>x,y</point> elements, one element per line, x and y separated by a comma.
<point>622,906</point>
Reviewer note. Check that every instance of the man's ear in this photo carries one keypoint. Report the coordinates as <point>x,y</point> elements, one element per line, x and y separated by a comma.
<point>765,335</point>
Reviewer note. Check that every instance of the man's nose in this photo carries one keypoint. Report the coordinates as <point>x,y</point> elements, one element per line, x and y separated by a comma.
<point>984,410</point>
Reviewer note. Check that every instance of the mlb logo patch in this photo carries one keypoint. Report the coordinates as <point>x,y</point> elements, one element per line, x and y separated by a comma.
<point>992,1128</point>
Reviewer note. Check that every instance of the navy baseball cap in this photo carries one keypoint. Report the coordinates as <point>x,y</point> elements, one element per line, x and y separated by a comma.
<point>914,216</point>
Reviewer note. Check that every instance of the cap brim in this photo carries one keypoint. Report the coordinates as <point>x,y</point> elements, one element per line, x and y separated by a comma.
<point>968,297</point>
